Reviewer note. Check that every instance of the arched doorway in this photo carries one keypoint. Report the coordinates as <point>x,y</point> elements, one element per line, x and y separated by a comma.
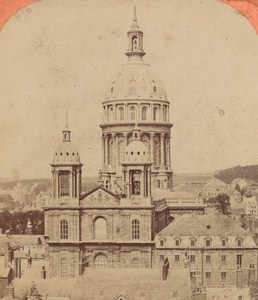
<point>100,261</point>
<point>64,271</point>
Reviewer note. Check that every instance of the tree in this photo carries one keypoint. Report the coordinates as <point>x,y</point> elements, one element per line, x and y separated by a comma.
<point>5,217</point>
<point>222,204</point>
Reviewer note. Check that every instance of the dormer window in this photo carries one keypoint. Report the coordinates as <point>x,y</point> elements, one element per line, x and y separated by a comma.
<point>193,241</point>
<point>224,242</point>
<point>177,242</point>
<point>208,242</point>
<point>162,242</point>
<point>239,241</point>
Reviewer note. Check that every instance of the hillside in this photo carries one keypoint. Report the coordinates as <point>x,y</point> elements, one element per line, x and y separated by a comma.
<point>247,172</point>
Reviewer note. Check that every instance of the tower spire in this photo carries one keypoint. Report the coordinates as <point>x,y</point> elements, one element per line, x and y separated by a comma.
<point>66,120</point>
<point>135,24</point>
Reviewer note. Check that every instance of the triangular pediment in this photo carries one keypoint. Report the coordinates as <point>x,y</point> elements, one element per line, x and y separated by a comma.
<point>99,197</point>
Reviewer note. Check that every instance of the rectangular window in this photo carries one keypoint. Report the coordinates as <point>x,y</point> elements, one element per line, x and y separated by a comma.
<point>177,257</point>
<point>223,258</point>
<point>239,243</point>
<point>239,260</point>
<point>223,242</point>
<point>208,258</point>
<point>64,184</point>
<point>223,275</point>
<point>177,242</point>
<point>208,275</point>
<point>161,243</point>
<point>192,258</point>
<point>192,243</point>
<point>208,243</point>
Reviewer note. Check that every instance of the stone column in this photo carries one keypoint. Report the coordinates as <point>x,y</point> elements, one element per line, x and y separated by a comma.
<point>117,151</point>
<point>57,184</point>
<point>142,182</point>
<point>113,154</point>
<point>162,137</point>
<point>53,183</point>
<point>168,152</point>
<point>151,147</point>
<point>103,151</point>
<point>71,183</point>
<point>106,149</point>
<point>78,175</point>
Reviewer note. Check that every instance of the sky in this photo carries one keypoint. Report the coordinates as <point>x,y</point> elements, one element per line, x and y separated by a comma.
<point>60,55</point>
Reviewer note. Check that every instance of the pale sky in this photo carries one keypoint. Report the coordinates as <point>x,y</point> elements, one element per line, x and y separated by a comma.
<point>59,55</point>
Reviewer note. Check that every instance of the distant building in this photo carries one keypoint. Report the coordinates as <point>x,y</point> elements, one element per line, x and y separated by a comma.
<point>217,250</point>
<point>214,187</point>
<point>251,207</point>
<point>180,203</point>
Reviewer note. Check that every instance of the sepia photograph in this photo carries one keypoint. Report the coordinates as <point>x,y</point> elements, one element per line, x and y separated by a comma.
<point>129,153</point>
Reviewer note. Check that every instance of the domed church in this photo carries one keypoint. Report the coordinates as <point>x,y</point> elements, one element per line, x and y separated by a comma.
<point>136,95</point>
<point>107,226</point>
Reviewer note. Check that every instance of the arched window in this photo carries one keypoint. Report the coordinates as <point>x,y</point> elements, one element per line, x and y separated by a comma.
<point>64,268</point>
<point>144,113</point>
<point>135,230</point>
<point>64,230</point>
<point>100,229</point>
<point>100,261</point>
<point>158,183</point>
<point>135,43</point>
<point>132,113</point>
<point>155,114</point>
<point>64,183</point>
<point>135,263</point>
<point>121,114</point>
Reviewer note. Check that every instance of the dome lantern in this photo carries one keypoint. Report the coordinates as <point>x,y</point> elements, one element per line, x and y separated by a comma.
<point>135,39</point>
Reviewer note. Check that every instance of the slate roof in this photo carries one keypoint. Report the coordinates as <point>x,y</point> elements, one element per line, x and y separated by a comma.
<point>215,182</point>
<point>128,284</point>
<point>203,225</point>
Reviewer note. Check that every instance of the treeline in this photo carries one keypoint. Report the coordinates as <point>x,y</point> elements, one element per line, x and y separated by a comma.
<point>247,172</point>
<point>16,222</point>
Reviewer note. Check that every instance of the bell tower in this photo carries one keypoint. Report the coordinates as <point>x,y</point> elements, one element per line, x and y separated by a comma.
<point>66,169</point>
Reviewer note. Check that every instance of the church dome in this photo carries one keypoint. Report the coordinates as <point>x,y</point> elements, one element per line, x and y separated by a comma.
<point>136,152</point>
<point>136,80</point>
<point>66,152</point>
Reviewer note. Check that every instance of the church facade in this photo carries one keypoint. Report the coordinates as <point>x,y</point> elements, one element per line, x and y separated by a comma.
<point>114,224</point>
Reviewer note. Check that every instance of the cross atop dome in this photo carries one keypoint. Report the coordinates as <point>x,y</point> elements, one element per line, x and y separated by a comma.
<point>135,24</point>
<point>66,131</point>
<point>135,36</point>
